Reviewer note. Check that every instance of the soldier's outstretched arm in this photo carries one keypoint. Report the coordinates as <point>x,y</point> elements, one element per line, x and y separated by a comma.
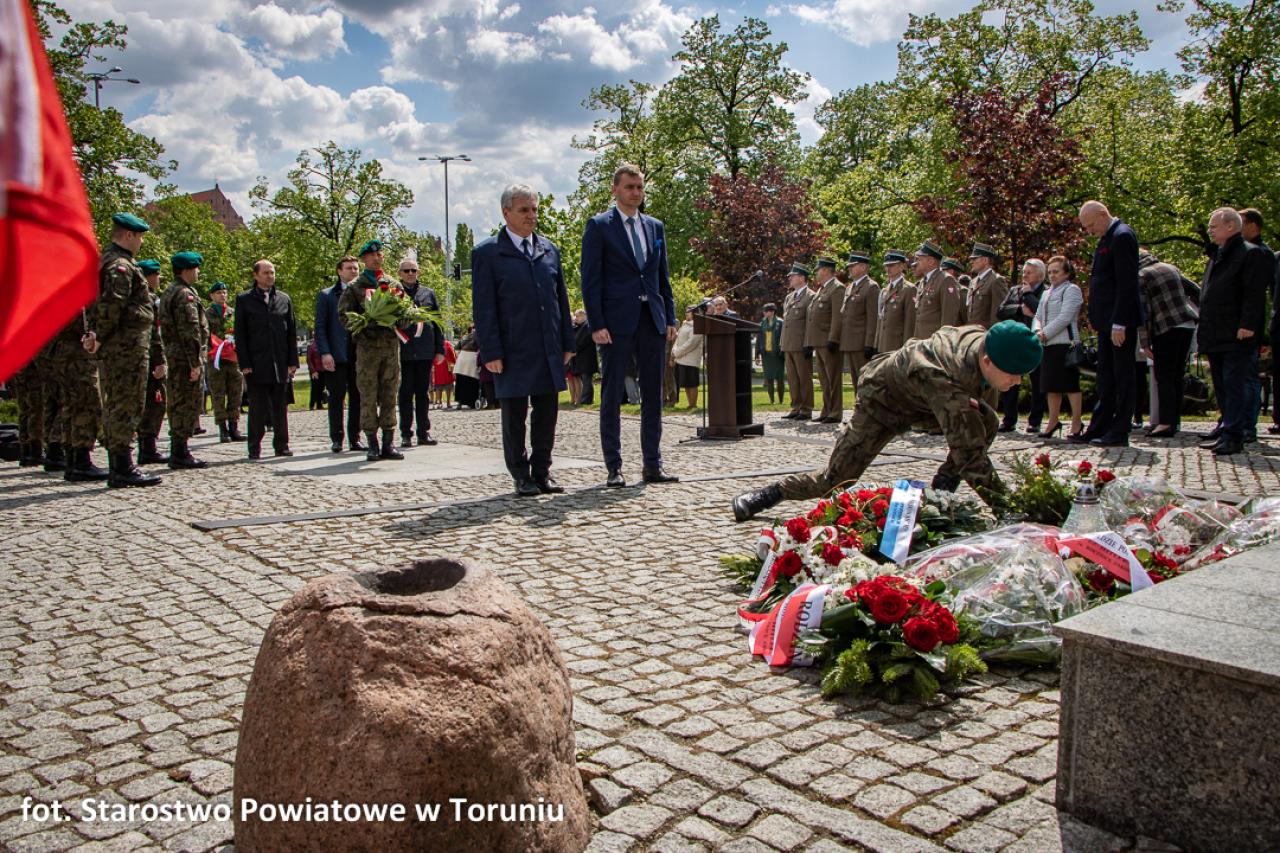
<point>969,426</point>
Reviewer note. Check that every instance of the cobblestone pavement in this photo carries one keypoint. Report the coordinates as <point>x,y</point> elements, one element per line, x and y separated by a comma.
<point>127,637</point>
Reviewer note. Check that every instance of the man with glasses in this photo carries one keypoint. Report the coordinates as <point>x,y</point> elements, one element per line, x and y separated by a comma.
<point>418,355</point>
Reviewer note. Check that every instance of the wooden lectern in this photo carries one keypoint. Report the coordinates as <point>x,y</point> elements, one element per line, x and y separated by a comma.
<point>729,358</point>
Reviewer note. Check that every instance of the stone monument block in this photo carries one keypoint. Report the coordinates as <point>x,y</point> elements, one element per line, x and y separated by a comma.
<point>427,686</point>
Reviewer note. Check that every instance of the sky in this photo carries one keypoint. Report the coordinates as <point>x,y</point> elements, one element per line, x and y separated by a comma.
<point>235,89</point>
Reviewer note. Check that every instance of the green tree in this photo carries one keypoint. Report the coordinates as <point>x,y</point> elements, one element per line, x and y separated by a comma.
<point>179,224</point>
<point>464,240</point>
<point>113,159</point>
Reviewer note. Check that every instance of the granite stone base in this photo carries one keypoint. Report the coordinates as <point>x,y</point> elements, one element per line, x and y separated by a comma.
<point>1170,704</point>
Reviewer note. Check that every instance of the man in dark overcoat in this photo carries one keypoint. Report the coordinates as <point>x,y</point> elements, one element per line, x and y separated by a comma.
<point>267,345</point>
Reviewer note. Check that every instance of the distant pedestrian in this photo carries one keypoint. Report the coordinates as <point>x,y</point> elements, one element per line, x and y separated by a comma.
<point>442,378</point>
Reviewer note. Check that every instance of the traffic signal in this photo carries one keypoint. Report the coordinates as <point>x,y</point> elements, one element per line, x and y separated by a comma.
<point>457,272</point>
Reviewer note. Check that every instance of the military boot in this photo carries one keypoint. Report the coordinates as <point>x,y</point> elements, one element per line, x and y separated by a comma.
<point>80,467</point>
<point>389,446</point>
<point>32,455</point>
<point>55,459</point>
<point>148,453</point>
<point>372,454</point>
<point>180,455</point>
<point>748,504</point>
<point>124,473</point>
<point>224,437</point>
<point>233,430</point>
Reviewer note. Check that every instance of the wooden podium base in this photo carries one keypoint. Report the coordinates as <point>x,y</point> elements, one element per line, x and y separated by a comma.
<point>731,432</point>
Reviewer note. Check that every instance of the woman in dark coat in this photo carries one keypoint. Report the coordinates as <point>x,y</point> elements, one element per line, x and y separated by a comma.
<point>585,363</point>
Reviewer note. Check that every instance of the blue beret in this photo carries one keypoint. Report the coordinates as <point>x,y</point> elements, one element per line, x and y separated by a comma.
<point>149,267</point>
<point>130,222</point>
<point>370,246</point>
<point>218,285</point>
<point>186,261</point>
<point>1013,347</point>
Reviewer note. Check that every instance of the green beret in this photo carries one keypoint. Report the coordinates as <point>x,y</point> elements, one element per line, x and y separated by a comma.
<point>824,261</point>
<point>858,257</point>
<point>218,285</point>
<point>186,261</point>
<point>951,264</point>
<point>129,222</point>
<point>370,246</point>
<point>1013,347</point>
<point>800,269</point>
<point>927,248</point>
<point>982,250</point>
<point>149,267</point>
<point>893,256</point>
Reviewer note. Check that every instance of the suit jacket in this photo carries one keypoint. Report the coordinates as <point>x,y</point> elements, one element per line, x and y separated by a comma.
<point>427,344</point>
<point>332,338</point>
<point>613,281</point>
<point>986,292</point>
<point>1234,297</point>
<point>521,311</point>
<point>795,310</point>
<point>897,316</point>
<point>939,303</point>
<point>823,308</point>
<point>1113,283</point>
<point>859,316</point>
<point>266,336</point>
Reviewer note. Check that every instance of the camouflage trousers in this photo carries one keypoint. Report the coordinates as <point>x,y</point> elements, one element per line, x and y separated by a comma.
<point>74,381</point>
<point>124,389</point>
<point>153,407</point>
<point>378,380</point>
<point>226,386</point>
<point>28,390</point>
<point>872,426</point>
<point>185,398</point>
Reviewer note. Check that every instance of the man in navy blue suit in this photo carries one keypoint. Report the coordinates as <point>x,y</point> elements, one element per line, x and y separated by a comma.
<point>630,312</point>
<point>1115,314</point>
<point>338,358</point>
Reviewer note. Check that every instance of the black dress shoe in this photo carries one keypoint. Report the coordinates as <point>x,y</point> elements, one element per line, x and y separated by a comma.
<point>1274,429</point>
<point>831,420</point>
<point>356,445</point>
<point>1250,438</point>
<point>614,480</point>
<point>526,488</point>
<point>1111,441</point>
<point>428,439</point>
<point>1163,431</point>
<point>336,447</point>
<point>659,475</point>
<point>1213,434</point>
<point>1211,441</point>
<point>255,453</point>
<point>547,485</point>
<point>284,451</point>
<point>1081,437</point>
<point>406,441</point>
<point>1227,447</point>
<point>1005,428</point>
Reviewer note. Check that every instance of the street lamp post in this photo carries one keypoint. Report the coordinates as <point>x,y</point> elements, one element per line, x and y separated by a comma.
<point>448,252</point>
<point>100,77</point>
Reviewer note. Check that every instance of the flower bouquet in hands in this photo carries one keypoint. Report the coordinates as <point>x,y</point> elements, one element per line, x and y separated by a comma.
<point>389,306</point>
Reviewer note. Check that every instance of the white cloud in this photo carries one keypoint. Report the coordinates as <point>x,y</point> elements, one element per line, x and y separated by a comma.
<point>816,95</point>
<point>502,48</point>
<point>302,35</point>
<point>863,22</point>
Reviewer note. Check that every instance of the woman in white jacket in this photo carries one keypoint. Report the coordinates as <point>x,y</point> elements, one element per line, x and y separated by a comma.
<point>686,352</point>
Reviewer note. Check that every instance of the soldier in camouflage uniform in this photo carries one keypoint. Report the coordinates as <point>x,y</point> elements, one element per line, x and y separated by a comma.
<point>28,391</point>
<point>226,384</point>
<point>74,383</point>
<point>55,458</point>
<point>941,378</point>
<point>120,325</point>
<point>377,357</point>
<point>186,338</point>
<point>153,404</point>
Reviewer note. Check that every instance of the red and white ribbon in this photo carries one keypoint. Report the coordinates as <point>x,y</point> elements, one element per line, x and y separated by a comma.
<point>1108,550</point>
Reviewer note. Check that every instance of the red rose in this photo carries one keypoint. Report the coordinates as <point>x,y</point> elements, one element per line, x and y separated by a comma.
<point>854,516</point>
<point>1085,467</point>
<point>845,500</point>
<point>1043,460</point>
<point>798,528</point>
<point>789,564</point>
<point>1099,581</point>
<point>865,495</point>
<point>880,507</point>
<point>884,490</point>
<point>889,606</point>
<point>851,542</point>
<point>880,522</point>
<point>382,287</point>
<point>851,594</point>
<point>944,621</point>
<point>1105,476</point>
<point>832,554</point>
<point>920,634</point>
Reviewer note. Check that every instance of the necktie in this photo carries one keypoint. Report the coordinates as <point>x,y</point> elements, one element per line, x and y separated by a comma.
<point>524,245</point>
<point>635,241</point>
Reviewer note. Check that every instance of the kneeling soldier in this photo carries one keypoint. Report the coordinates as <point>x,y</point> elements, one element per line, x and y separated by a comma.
<point>941,378</point>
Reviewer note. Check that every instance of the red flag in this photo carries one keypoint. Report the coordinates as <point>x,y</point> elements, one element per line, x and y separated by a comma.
<point>48,254</point>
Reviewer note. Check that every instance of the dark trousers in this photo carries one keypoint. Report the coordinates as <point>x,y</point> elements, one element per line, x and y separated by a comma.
<point>415,396</point>
<point>341,382</point>
<point>1009,403</point>
<point>648,347</point>
<point>268,401</point>
<point>1141,390</point>
<point>541,430</point>
<point>1253,397</point>
<point>1169,356</point>
<point>588,389</point>
<point>1114,409</point>
<point>1230,371</point>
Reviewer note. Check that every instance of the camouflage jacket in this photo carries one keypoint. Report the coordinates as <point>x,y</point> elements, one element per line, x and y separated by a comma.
<point>183,326</point>
<point>222,319</point>
<point>352,300</point>
<point>123,314</point>
<point>939,378</point>
<point>155,355</point>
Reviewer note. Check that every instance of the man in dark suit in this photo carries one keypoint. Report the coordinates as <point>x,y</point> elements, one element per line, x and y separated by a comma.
<point>419,355</point>
<point>267,343</point>
<point>338,358</point>
<point>1232,320</point>
<point>1115,314</point>
<point>631,313</point>
<point>521,309</point>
